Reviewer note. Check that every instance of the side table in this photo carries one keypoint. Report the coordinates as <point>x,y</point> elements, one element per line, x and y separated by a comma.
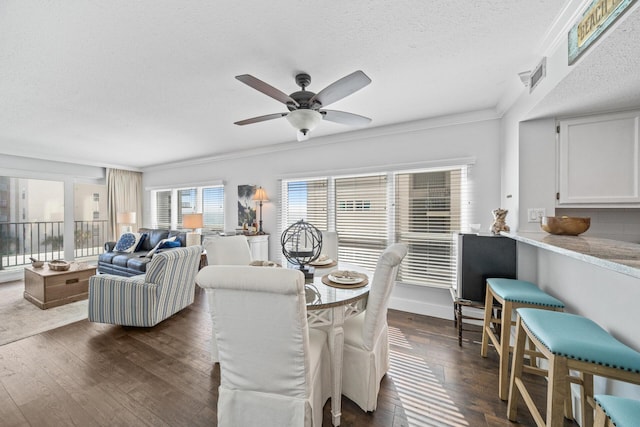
<point>48,288</point>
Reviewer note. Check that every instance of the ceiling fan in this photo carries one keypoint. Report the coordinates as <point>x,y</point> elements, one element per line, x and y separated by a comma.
<point>306,108</point>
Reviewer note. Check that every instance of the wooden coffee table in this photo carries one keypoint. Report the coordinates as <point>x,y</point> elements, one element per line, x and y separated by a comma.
<point>47,288</point>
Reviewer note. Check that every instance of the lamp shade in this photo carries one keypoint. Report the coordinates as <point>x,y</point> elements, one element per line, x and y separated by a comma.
<point>192,220</point>
<point>304,120</point>
<point>126,217</point>
<point>260,195</point>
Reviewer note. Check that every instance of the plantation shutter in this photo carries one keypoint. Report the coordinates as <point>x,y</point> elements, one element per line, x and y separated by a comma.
<point>429,211</point>
<point>163,209</point>
<point>361,218</point>
<point>213,207</point>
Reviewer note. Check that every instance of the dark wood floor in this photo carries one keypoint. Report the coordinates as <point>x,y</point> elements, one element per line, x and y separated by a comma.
<point>88,374</point>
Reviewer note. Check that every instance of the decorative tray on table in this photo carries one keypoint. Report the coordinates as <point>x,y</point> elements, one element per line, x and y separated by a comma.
<point>323,261</point>
<point>345,279</point>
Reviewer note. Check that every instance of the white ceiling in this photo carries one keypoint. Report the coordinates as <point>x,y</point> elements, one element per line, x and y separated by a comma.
<point>135,84</point>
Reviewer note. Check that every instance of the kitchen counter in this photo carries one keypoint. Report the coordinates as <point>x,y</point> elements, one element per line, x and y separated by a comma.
<point>623,257</point>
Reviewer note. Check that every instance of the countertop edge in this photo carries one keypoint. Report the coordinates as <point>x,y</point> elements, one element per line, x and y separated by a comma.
<point>534,240</point>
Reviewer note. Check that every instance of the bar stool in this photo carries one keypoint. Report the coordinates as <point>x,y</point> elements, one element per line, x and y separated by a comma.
<point>616,411</point>
<point>510,294</point>
<point>568,342</point>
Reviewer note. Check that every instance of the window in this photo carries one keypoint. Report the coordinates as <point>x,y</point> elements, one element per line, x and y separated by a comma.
<point>176,202</point>
<point>361,218</point>
<point>428,216</point>
<point>213,207</point>
<point>424,209</point>
<point>187,198</point>
<point>90,219</point>
<point>31,220</point>
<point>163,209</point>
<point>305,200</point>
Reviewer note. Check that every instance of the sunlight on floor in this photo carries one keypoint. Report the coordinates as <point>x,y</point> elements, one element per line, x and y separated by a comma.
<point>423,398</point>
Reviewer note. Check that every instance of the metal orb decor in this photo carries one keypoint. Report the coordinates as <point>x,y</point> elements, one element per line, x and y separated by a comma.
<point>301,244</point>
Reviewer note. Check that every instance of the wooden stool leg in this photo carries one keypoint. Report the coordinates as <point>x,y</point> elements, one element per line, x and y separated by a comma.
<point>516,371</point>
<point>557,391</point>
<point>486,325</point>
<point>601,418</point>
<point>505,346</point>
<point>587,398</point>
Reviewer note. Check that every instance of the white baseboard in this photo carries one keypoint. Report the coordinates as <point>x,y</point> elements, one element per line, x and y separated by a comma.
<point>11,275</point>
<point>420,307</point>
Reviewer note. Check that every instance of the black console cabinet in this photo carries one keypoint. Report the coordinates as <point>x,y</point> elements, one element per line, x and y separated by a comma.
<point>480,257</point>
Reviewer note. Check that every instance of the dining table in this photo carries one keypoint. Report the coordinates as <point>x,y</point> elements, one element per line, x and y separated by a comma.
<point>329,304</point>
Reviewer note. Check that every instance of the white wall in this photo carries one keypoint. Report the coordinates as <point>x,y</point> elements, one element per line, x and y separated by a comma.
<point>411,144</point>
<point>537,170</point>
<point>512,160</point>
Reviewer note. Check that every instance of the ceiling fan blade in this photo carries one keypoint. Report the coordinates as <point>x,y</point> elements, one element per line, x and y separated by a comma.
<point>343,118</point>
<point>260,119</point>
<point>266,88</point>
<point>341,88</point>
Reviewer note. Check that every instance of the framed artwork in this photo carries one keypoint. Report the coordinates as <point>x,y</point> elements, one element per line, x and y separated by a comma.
<point>246,206</point>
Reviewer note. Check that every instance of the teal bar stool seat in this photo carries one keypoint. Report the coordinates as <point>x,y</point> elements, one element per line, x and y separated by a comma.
<point>510,294</point>
<point>569,343</point>
<point>616,411</point>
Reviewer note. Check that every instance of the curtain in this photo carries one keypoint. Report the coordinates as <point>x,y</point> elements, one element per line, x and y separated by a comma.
<point>124,189</point>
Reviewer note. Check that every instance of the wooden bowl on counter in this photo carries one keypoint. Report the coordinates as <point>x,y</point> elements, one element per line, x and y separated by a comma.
<point>565,225</point>
<point>59,265</point>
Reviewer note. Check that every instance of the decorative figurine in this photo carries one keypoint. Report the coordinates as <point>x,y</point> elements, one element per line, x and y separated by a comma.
<point>499,221</point>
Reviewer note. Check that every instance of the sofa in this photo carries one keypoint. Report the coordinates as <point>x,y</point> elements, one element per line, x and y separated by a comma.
<point>167,287</point>
<point>135,263</point>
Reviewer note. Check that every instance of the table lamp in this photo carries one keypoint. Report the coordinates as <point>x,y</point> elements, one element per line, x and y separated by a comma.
<point>260,196</point>
<point>193,221</point>
<point>126,220</point>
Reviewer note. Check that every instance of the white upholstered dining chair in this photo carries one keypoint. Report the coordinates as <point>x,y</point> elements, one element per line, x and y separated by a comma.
<point>222,250</point>
<point>274,370</point>
<point>227,250</point>
<point>366,341</point>
<point>330,244</point>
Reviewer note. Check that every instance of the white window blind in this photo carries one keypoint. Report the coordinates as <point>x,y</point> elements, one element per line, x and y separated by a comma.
<point>425,209</point>
<point>213,207</point>
<point>163,209</point>
<point>428,216</point>
<point>361,218</point>
<point>305,200</point>
<point>176,202</point>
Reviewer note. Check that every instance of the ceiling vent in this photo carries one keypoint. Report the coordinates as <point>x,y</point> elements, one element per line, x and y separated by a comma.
<point>538,74</point>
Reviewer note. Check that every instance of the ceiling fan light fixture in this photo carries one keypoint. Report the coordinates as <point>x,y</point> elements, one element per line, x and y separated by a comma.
<point>304,120</point>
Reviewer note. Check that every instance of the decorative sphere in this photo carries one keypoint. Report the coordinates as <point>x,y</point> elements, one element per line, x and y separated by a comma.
<point>301,243</point>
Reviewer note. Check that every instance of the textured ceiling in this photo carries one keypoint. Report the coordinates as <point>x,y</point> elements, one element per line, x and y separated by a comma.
<point>607,79</point>
<point>135,84</point>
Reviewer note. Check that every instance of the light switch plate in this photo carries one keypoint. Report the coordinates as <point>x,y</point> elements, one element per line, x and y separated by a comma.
<point>535,214</point>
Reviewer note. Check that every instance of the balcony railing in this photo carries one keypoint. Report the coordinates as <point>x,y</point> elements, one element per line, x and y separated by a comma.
<point>45,241</point>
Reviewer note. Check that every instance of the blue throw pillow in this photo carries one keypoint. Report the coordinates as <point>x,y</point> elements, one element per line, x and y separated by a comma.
<point>170,244</point>
<point>160,243</point>
<point>141,242</point>
<point>127,242</point>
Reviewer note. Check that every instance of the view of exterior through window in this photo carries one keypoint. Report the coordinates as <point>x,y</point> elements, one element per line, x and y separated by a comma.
<point>32,223</point>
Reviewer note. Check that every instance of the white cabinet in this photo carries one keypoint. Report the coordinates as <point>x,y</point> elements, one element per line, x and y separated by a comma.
<point>599,160</point>
<point>259,245</point>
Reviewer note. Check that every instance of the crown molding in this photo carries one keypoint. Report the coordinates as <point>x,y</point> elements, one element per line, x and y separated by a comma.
<point>358,135</point>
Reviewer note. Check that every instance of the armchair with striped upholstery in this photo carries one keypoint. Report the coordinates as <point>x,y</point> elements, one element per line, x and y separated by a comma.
<point>167,287</point>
